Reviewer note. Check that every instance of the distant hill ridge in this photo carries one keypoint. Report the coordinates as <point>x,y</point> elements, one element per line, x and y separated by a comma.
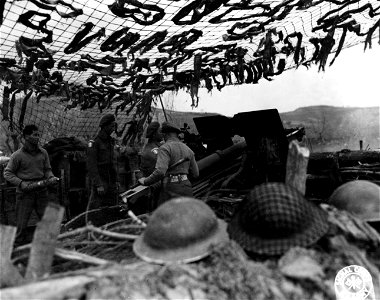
<point>343,125</point>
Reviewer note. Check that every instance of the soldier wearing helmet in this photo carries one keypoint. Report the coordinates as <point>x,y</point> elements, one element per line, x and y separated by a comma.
<point>175,162</point>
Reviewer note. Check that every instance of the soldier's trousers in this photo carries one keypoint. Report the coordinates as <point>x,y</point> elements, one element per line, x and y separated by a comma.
<point>108,199</point>
<point>171,190</point>
<point>25,204</point>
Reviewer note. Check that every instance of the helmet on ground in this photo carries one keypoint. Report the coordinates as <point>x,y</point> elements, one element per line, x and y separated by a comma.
<point>180,230</point>
<point>359,197</point>
<point>274,218</point>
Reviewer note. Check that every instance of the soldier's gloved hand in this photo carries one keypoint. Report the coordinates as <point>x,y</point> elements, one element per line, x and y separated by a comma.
<point>23,185</point>
<point>100,190</point>
<point>53,180</point>
<point>141,180</point>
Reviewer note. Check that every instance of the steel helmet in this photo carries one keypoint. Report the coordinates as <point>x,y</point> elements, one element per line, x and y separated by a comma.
<point>359,197</point>
<point>180,230</point>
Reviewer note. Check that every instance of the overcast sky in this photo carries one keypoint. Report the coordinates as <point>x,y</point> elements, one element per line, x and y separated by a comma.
<point>353,80</point>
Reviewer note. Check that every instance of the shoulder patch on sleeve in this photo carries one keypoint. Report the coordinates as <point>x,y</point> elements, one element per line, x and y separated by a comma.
<point>90,143</point>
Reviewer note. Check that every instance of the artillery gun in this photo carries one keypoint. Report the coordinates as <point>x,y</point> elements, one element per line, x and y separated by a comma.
<point>260,156</point>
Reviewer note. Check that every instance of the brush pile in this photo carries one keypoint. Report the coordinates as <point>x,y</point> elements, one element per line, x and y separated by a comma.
<point>228,273</point>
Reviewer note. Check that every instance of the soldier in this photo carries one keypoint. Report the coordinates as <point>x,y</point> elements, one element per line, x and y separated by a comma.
<point>175,161</point>
<point>26,169</point>
<point>101,165</point>
<point>150,151</point>
<point>148,161</point>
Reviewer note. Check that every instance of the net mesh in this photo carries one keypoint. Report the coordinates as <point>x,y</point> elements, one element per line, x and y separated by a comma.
<point>218,42</point>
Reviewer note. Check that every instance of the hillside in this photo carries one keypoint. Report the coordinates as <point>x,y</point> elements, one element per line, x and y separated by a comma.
<point>337,127</point>
<point>328,128</point>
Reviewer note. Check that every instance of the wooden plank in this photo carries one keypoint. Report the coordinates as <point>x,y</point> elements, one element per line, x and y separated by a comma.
<point>9,275</point>
<point>61,288</point>
<point>7,238</point>
<point>44,241</point>
<point>296,166</point>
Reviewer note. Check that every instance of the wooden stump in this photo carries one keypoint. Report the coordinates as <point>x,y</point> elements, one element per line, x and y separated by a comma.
<point>296,167</point>
<point>44,242</point>
<point>9,275</point>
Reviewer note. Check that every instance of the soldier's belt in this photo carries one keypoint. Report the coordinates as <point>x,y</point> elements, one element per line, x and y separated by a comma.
<point>177,178</point>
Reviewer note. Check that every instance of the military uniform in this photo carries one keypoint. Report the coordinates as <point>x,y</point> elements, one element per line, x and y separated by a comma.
<point>149,158</point>
<point>175,179</point>
<point>28,165</point>
<point>148,161</point>
<point>102,170</point>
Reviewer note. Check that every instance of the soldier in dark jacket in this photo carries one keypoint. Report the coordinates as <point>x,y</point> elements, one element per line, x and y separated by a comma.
<point>101,165</point>
<point>175,180</point>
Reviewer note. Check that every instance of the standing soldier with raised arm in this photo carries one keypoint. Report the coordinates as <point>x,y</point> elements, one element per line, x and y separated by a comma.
<point>175,162</point>
<point>150,150</point>
<point>101,165</point>
<point>30,171</point>
<point>148,159</point>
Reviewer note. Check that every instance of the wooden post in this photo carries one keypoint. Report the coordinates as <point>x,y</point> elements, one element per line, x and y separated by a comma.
<point>64,194</point>
<point>9,275</point>
<point>361,145</point>
<point>44,241</point>
<point>163,108</point>
<point>296,166</point>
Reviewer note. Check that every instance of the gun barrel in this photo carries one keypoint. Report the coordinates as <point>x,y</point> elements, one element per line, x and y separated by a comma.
<point>220,155</point>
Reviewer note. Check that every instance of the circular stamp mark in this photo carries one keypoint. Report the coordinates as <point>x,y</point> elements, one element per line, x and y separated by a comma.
<point>353,283</point>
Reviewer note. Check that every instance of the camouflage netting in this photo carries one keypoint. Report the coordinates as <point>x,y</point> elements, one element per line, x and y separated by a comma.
<point>55,121</point>
<point>122,55</point>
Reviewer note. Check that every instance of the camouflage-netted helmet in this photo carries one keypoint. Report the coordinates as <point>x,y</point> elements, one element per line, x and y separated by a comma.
<point>359,197</point>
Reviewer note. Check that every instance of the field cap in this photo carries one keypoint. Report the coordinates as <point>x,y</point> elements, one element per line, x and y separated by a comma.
<point>180,230</point>
<point>106,120</point>
<point>274,218</point>
<point>169,127</point>
<point>359,197</point>
<point>152,129</point>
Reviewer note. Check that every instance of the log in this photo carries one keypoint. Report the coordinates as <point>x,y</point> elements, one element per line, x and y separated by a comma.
<point>296,166</point>
<point>91,228</point>
<point>322,160</point>
<point>52,289</point>
<point>9,275</point>
<point>44,241</point>
<point>80,257</point>
<point>111,234</point>
<point>227,274</point>
<point>301,273</point>
<point>63,285</point>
